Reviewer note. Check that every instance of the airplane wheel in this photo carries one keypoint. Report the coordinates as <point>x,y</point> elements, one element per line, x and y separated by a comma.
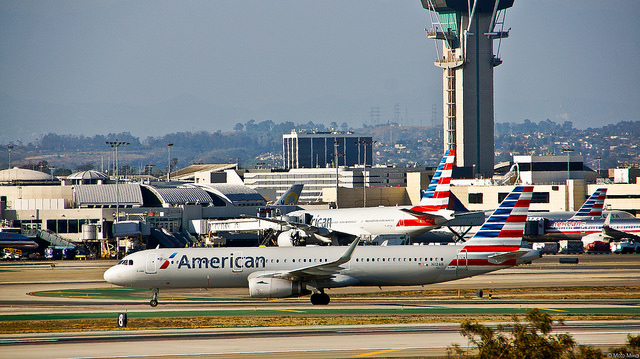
<point>320,299</point>
<point>325,299</point>
<point>153,303</point>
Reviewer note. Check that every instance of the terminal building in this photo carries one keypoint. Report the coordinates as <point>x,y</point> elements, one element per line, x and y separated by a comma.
<point>318,149</point>
<point>85,206</point>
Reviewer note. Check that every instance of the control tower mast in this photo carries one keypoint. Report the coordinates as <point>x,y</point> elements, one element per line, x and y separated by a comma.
<point>468,29</point>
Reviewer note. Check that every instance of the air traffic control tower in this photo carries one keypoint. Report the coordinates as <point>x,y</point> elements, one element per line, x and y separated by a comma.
<point>467,29</point>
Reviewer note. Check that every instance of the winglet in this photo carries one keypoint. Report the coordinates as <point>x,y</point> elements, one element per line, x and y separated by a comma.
<point>348,253</point>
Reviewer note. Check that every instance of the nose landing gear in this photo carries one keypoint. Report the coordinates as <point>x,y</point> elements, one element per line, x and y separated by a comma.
<point>154,299</point>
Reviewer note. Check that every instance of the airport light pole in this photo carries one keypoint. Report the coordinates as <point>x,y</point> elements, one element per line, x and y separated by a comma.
<point>10,147</point>
<point>115,144</point>
<point>568,151</point>
<point>364,170</point>
<point>335,159</point>
<point>149,168</point>
<point>169,145</point>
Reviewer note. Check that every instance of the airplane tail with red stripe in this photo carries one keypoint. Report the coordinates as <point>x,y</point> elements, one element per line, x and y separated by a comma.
<point>503,230</point>
<point>592,207</point>
<point>436,196</point>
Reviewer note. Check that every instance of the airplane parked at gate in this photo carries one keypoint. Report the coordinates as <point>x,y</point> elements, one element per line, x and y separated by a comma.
<point>273,272</point>
<point>330,225</point>
<point>13,238</point>
<point>599,229</point>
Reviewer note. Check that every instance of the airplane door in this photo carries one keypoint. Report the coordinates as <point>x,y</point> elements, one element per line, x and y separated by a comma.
<point>462,262</point>
<point>151,263</point>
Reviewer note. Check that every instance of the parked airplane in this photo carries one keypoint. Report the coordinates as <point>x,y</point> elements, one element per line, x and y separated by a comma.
<point>273,272</point>
<point>12,238</point>
<point>330,225</point>
<point>590,209</point>
<point>589,230</point>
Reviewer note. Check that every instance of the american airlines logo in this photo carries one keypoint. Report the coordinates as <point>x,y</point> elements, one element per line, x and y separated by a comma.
<point>567,224</point>
<point>321,222</point>
<point>221,262</point>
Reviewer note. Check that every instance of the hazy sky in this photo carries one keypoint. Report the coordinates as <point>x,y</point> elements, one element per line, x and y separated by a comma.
<point>156,67</point>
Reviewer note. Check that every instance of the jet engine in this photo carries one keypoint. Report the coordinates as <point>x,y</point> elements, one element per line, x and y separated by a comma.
<point>292,237</point>
<point>269,287</point>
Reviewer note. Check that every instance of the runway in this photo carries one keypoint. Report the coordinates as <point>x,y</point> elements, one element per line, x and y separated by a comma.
<point>310,342</point>
<point>598,286</point>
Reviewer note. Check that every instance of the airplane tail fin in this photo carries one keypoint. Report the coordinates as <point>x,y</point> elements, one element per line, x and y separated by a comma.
<point>592,207</point>
<point>290,197</point>
<point>503,230</point>
<point>437,194</point>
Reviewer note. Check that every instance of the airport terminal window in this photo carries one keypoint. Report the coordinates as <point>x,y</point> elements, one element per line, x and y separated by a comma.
<point>540,197</point>
<point>475,198</point>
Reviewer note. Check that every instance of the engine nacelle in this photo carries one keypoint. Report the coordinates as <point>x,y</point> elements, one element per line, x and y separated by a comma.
<point>268,287</point>
<point>292,237</point>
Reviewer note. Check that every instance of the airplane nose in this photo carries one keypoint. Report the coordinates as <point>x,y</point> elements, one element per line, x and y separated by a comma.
<point>113,275</point>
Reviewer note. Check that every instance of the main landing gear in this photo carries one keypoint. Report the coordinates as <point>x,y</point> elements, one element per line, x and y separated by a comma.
<point>154,299</point>
<point>320,298</point>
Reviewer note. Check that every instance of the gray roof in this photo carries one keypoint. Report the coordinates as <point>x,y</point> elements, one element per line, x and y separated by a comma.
<point>16,174</point>
<point>105,194</point>
<point>88,175</point>
<point>182,195</point>
<point>235,192</point>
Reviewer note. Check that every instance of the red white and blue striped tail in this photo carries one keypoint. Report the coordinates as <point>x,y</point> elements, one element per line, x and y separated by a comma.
<point>437,194</point>
<point>592,207</point>
<point>504,229</point>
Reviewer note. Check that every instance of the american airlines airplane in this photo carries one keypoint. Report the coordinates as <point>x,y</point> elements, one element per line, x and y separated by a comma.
<point>274,272</point>
<point>330,225</point>
<point>591,209</point>
<point>12,238</point>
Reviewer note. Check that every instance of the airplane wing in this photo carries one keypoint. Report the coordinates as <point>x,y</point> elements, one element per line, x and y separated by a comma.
<point>303,227</point>
<point>615,233</point>
<point>317,271</point>
<point>321,233</point>
<point>503,257</point>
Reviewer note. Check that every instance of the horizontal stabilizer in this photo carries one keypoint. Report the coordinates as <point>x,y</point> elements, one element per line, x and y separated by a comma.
<point>503,257</point>
<point>436,218</point>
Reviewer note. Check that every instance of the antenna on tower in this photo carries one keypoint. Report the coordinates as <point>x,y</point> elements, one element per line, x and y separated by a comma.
<point>374,115</point>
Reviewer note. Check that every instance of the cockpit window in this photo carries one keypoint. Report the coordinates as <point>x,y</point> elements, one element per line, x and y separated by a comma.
<point>126,262</point>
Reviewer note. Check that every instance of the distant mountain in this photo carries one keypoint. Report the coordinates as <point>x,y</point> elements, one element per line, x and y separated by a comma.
<point>251,142</point>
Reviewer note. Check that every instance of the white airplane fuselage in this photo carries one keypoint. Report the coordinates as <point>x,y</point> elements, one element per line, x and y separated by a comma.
<point>369,266</point>
<point>372,220</point>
